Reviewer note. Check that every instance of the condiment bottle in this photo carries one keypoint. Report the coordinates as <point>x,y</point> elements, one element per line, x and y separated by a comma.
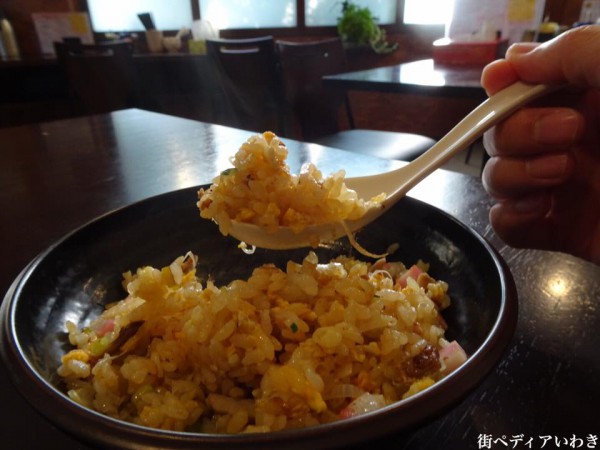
<point>8,37</point>
<point>2,50</point>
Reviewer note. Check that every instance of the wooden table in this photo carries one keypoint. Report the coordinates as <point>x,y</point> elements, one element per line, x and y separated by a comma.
<point>57,176</point>
<point>427,98</point>
<point>415,77</point>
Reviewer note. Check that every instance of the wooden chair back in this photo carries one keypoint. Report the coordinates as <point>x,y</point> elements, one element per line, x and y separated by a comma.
<point>101,77</point>
<point>248,73</point>
<point>317,110</point>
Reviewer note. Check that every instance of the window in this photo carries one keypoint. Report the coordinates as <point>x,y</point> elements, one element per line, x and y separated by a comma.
<point>171,15</point>
<point>244,14</point>
<point>428,12</point>
<point>326,12</point>
<point>288,16</point>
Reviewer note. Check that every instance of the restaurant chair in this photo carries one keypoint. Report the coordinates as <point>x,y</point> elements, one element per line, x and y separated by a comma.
<point>101,77</point>
<point>317,109</point>
<point>248,74</point>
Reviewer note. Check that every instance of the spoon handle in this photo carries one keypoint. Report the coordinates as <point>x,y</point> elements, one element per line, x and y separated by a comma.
<point>485,116</point>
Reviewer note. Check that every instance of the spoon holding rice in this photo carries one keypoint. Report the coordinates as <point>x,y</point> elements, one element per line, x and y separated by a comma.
<point>397,183</point>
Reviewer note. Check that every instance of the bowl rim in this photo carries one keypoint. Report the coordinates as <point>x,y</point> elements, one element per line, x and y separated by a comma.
<point>95,427</point>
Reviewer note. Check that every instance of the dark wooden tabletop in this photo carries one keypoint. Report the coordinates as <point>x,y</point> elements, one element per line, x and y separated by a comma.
<point>57,176</point>
<point>414,77</point>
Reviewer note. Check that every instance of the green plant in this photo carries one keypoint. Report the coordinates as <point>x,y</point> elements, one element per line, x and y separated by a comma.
<point>358,26</point>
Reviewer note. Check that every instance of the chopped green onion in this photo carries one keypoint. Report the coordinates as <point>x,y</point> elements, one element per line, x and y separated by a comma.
<point>98,347</point>
<point>294,327</point>
<point>144,389</point>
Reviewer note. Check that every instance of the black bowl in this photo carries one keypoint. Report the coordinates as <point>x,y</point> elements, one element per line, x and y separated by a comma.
<point>74,278</point>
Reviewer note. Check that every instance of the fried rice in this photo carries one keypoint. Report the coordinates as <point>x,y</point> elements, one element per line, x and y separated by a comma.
<point>291,347</point>
<point>259,189</point>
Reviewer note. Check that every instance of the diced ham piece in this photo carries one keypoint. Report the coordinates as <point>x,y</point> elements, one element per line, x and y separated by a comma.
<point>413,272</point>
<point>105,327</point>
<point>452,356</point>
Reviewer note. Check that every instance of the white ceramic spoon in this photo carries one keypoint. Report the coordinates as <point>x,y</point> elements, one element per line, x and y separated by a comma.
<point>398,182</point>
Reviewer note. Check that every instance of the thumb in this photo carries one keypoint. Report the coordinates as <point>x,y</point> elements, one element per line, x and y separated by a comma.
<point>572,57</point>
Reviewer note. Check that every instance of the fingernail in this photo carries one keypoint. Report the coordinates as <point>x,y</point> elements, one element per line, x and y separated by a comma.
<point>521,48</point>
<point>548,167</point>
<point>556,128</point>
<point>532,204</point>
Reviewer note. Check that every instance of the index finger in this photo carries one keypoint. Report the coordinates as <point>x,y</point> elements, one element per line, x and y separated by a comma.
<point>497,75</point>
<point>573,57</point>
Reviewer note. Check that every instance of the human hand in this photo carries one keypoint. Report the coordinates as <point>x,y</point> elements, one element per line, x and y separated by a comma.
<point>544,166</point>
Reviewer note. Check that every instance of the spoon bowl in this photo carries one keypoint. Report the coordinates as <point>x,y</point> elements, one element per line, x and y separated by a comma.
<point>398,182</point>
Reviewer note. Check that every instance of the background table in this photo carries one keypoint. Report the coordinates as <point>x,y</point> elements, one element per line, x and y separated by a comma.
<point>415,77</point>
<point>56,176</point>
<point>426,98</point>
